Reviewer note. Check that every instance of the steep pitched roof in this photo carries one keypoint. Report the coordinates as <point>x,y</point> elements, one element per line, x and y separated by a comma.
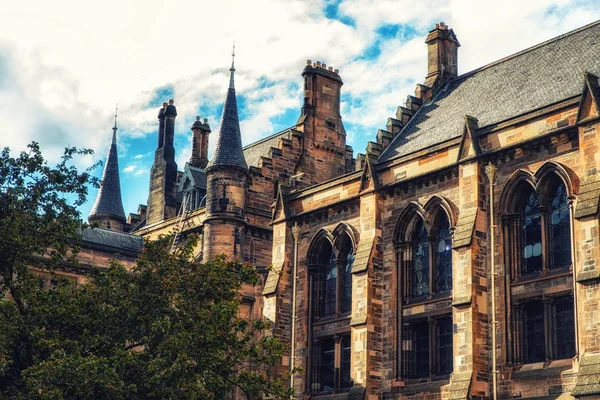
<point>108,202</point>
<point>254,151</point>
<point>533,78</point>
<point>229,138</point>
<point>108,238</point>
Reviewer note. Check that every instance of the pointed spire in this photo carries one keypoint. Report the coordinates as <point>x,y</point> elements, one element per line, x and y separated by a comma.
<point>229,150</point>
<point>114,137</point>
<point>108,203</point>
<point>232,69</point>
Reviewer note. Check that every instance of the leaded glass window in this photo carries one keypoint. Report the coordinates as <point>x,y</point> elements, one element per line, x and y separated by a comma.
<point>444,258</point>
<point>326,367</point>
<point>345,380</point>
<point>331,286</point>
<point>563,328</point>
<point>534,336</point>
<point>347,283</point>
<point>560,230</point>
<point>420,272</point>
<point>531,237</point>
<point>421,345</point>
<point>444,346</point>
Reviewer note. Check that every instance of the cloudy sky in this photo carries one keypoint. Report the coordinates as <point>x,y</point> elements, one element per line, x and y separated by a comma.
<point>64,64</point>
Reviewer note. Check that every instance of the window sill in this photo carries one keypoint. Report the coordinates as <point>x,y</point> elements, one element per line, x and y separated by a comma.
<point>331,319</point>
<point>434,299</point>
<point>352,393</point>
<point>554,273</point>
<point>543,369</point>
<point>431,384</point>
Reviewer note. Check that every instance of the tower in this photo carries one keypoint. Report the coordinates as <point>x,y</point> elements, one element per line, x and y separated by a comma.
<point>162,200</point>
<point>107,211</point>
<point>226,185</point>
<point>324,135</point>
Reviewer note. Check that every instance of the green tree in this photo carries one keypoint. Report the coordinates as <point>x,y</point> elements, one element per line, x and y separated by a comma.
<point>168,329</point>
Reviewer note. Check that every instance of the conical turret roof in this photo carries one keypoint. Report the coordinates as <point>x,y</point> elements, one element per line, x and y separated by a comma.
<point>108,202</point>
<point>229,138</point>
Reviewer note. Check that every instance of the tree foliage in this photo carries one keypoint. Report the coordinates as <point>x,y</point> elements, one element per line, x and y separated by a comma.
<point>168,329</point>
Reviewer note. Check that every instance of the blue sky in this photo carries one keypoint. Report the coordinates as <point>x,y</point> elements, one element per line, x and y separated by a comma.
<point>64,65</point>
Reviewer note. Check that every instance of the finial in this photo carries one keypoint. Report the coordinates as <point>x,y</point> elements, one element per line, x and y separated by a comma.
<point>232,69</point>
<point>114,138</point>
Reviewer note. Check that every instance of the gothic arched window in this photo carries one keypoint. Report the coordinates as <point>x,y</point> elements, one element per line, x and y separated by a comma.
<point>331,258</point>
<point>420,269</point>
<point>443,254</point>
<point>560,229</point>
<point>531,232</point>
<point>537,243</point>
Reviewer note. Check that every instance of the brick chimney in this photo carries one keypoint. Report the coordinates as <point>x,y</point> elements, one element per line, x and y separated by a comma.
<point>442,56</point>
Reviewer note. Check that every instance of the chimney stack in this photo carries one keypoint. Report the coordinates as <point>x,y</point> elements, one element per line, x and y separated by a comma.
<point>200,133</point>
<point>442,56</point>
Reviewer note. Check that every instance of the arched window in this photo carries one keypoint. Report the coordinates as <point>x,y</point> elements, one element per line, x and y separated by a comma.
<point>424,254</point>
<point>420,270</point>
<point>560,230</point>
<point>443,261</point>
<point>531,232</point>
<point>331,258</point>
<point>346,300</point>
<point>537,244</point>
<point>331,273</point>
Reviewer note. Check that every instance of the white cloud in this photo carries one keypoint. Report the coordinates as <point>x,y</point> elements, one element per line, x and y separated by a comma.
<point>64,64</point>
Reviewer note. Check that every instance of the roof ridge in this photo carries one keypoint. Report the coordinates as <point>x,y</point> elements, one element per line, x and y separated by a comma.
<point>271,136</point>
<point>112,231</point>
<point>526,50</point>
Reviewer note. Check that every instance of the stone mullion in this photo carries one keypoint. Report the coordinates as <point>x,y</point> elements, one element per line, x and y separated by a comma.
<point>399,302</point>
<point>432,349</point>
<point>544,240</point>
<point>337,361</point>
<point>518,333</point>
<point>311,310</point>
<point>431,267</point>
<point>548,328</point>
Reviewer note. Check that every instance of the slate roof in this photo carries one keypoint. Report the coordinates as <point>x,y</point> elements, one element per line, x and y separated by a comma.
<point>254,151</point>
<point>229,140</point>
<point>108,202</point>
<point>533,78</point>
<point>197,175</point>
<point>109,238</point>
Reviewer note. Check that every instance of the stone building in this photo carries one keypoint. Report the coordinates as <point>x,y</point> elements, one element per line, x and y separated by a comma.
<point>458,258</point>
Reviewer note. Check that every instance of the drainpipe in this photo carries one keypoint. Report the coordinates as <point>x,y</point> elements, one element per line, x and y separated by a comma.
<point>574,266</point>
<point>296,236</point>
<point>490,171</point>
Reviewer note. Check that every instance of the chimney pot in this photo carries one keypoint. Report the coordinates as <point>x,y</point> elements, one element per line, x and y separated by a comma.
<point>197,118</point>
<point>324,65</point>
<point>205,120</point>
<point>337,71</point>
<point>330,68</point>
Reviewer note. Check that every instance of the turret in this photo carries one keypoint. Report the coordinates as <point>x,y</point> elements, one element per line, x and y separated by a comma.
<point>162,200</point>
<point>323,131</point>
<point>200,132</point>
<point>107,211</point>
<point>227,180</point>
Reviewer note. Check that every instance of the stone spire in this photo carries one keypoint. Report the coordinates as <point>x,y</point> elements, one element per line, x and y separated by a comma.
<point>108,208</point>
<point>229,138</point>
